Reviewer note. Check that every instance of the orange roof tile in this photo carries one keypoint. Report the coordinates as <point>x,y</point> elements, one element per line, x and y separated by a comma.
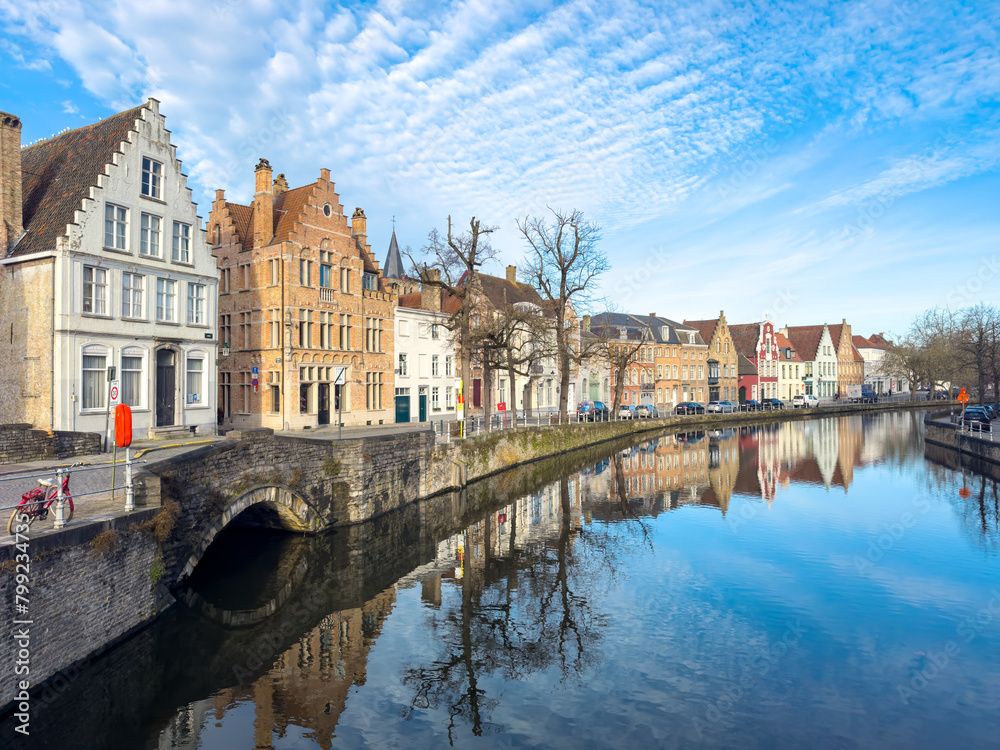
<point>806,340</point>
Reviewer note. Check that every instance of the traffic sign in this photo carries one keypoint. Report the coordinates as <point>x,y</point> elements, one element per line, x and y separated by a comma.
<point>254,369</point>
<point>115,391</point>
<point>340,376</point>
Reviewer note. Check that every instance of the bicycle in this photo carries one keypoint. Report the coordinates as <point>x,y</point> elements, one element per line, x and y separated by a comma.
<point>35,502</point>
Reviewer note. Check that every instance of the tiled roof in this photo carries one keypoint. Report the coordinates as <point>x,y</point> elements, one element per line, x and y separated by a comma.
<point>857,354</point>
<point>836,329</point>
<point>744,366</point>
<point>501,292</point>
<point>782,344</point>
<point>745,337</point>
<point>860,341</point>
<point>57,175</point>
<point>286,211</point>
<point>878,340</point>
<point>806,340</point>
<point>413,301</point>
<point>705,327</point>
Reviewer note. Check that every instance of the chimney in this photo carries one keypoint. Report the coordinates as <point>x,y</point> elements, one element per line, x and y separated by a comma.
<point>512,274</point>
<point>10,181</point>
<point>359,225</point>
<point>430,296</point>
<point>652,315</point>
<point>263,206</point>
<point>280,185</point>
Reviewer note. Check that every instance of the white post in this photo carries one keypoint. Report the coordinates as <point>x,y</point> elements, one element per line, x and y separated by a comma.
<point>129,491</point>
<point>60,514</point>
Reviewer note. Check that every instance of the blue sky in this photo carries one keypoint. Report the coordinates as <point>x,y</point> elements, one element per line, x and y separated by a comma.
<point>811,161</point>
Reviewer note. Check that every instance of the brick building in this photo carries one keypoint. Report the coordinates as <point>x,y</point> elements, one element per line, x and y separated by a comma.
<point>758,343</point>
<point>300,296</point>
<point>722,357</point>
<point>850,363</point>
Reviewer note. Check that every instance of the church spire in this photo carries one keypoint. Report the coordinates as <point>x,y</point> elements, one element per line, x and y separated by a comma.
<point>393,267</point>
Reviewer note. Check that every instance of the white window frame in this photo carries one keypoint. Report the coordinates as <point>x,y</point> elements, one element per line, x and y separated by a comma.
<point>133,296</point>
<point>195,355</point>
<point>197,307</point>
<point>118,229</point>
<point>94,350</point>
<point>145,232</point>
<point>152,178</point>
<point>161,292</point>
<point>139,353</point>
<point>181,243</point>
<point>98,285</point>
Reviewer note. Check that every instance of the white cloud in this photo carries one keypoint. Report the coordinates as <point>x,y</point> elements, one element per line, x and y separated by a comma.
<point>70,108</point>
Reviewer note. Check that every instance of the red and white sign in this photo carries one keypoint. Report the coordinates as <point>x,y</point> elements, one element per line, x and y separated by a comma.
<point>502,406</point>
<point>115,393</point>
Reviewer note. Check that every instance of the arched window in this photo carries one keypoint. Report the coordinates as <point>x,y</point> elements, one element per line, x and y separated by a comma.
<point>95,359</point>
<point>133,380</point>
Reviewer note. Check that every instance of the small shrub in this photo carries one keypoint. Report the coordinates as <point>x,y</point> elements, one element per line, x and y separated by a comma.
<point>331,467</point>
<point>104,542</point>
<point>157,569</point>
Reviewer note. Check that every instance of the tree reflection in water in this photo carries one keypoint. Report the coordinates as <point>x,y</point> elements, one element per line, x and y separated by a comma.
<point>524,606</point>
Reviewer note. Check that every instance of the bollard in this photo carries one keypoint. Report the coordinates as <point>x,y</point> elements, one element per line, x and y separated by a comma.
<point>129,489</point>
<point>60,515</point>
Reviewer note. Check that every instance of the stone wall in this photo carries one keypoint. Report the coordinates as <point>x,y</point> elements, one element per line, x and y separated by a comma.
<point>18,442</point>
<point>88,586</point>
<point>948,436</point>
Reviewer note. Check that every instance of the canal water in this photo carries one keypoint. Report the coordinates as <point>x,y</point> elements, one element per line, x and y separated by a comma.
<point>814,584</point>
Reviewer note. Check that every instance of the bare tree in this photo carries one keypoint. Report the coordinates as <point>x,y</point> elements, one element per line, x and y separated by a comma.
<point>563,263</point>
<point>452,263</point>
<point>620,347</point>
<point>973,342</point>
<point>507,340</point>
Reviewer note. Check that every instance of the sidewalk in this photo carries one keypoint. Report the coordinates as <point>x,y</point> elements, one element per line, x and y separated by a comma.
<point>16,479</point>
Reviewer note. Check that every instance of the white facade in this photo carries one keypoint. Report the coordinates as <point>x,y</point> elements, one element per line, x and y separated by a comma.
<point>137,290</point>
<point>875,374</point>
<point>819,375</point>
<point>426,365</point>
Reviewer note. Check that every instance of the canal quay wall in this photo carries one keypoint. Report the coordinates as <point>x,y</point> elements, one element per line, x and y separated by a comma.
<point>95,583</point>
<point>947,435</point>
<point>19,442</point>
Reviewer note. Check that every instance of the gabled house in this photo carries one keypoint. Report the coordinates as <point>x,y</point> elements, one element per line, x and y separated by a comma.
<point>722,357</point>
<point>758,343</point>
<point>818,352</point>
<point>300,297</point>
<point>104,275</point>
<point>791,370</point>
<point>850,364</point>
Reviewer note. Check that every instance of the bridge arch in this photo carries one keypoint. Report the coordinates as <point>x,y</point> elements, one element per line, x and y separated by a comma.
<point>293,512</point>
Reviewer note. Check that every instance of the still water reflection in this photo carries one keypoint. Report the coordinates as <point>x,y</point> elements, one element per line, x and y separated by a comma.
<point>806,585</point>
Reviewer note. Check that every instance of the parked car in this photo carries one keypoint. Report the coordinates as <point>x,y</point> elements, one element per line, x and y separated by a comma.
<point>689,407</point>
<point>647,411</point>
<point>591,411</point>
<point>805,401</point>
<point>750,405</point>
<point>720,407</point>
<point>772,403</point>
<point>626,411</point>
<point>975,415</point>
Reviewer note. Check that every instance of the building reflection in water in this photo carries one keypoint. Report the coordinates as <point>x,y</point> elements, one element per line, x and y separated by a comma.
<point>508,595</point>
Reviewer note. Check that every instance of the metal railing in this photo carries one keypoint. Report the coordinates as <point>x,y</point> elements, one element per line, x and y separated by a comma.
<point>65,472</point>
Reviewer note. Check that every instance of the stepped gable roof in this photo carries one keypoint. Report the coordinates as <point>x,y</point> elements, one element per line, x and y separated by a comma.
<point>836,330</point>
<point>286,209</point>
<point>705,327</point>
<point>745,367</point>
<point>745,336</point>
<point>806,340</point>
<point>393,268</point>
<point>57,174</point>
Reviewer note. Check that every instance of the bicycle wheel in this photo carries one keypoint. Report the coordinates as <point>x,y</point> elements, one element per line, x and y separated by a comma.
<point>12,522</point>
